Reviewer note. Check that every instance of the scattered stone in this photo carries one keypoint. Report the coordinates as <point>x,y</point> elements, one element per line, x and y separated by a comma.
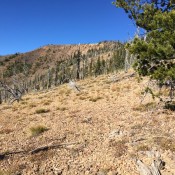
<point>87,120</point>
<point>115,133</point>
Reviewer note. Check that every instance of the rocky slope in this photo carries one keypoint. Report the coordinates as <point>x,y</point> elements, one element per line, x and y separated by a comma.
<point>100,130</point>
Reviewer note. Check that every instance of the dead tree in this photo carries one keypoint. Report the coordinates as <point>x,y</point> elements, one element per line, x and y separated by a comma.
<point>127,64</point>
<point>73,85</point>
<point>15,93</point>
<point>154,168</point>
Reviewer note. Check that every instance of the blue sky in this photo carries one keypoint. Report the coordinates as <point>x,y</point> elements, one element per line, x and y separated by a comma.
<point>28,24</point>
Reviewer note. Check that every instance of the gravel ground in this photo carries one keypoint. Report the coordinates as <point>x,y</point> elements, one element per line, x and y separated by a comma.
<point>101,130</point>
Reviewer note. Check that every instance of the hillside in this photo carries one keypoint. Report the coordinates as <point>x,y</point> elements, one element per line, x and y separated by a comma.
<point>100,130</point>
<point>53,65</point>
<point>40,60</point>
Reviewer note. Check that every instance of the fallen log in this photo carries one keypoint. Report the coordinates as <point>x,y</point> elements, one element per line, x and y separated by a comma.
<point>36,150</point>
<point>153,169</point>
<point>48,147</point>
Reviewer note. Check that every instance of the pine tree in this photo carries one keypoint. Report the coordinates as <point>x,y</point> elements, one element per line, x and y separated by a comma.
<point>118,60</point>
<point>78,59</point>
<point>49,79</point>
<point>98,67</point>
<point>154,46</point>
<point>56,74</point>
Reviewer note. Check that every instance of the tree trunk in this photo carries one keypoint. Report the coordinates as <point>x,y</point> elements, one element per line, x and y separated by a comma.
<point>153,169</point>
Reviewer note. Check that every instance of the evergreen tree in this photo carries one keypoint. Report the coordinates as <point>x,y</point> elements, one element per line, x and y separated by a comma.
<point>49,79</point>
<point>56,74</point>
<point>98,69</point>
<point>118,61</point>
<point>154,46</point>
<point>78,59</point>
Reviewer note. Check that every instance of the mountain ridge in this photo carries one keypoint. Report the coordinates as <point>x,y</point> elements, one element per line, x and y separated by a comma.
<point>45,57</point>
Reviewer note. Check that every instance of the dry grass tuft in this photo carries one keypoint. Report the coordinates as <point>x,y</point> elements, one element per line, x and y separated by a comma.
<point>38,130</point>
<point>42,110</point>
<point>94,99</point>
<point>83,98</point>
<point>165,143</point>
<point>6,131</point>
<point>164,92</point>
<point>137,126</point>
<point>143,147</point>
<point>61,108</point>
<point>47,102</point>
<point>32,105</point>
<point>65,91</point>
<point>23,102</point>
<point>27,98</point>
<point>115,87</point>
<point>40,97</point>
<point>145,107</point>
<point>119,146</point>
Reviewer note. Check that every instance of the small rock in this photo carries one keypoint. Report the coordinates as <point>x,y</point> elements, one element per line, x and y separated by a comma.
<point>115,133</point>
<point>87,120</point>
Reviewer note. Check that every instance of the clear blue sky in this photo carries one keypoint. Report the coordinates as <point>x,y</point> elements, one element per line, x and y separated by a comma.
<point>28,24</point>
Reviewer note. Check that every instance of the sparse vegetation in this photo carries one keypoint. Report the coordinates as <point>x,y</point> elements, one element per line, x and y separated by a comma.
<point>143,147</point>
<point>47,102</point>
<point>119,146</point>
<point>83,97</point>
<point>94,99</point>
<point>165,143</point>
<point>88,118</point>
<point>61,108</point>
<point>145,107</point>
<point>42,110</point>
<point>6,131</point>
<point>36,130</point>
<point>32,105</point>
<point>79,64</point>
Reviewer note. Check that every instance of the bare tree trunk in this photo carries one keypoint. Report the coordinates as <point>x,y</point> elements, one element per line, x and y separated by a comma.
<point>15,93</point>
<point>127,65</point>
<point>153,169</point>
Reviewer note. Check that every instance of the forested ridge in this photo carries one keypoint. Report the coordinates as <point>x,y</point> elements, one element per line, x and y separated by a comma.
<point>53,65</point>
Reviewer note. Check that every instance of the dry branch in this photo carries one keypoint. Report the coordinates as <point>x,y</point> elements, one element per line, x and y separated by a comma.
<point>153,169</point>
<point>73,85</point>
<point>48,147</point>
<point>36,150</point>
<point>15,93</point>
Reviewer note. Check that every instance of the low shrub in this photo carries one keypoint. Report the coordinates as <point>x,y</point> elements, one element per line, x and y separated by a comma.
<point>40,111</point>
<point>38,130</point>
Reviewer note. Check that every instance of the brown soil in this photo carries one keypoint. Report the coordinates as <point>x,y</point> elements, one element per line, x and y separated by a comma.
<point>107,124</point>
